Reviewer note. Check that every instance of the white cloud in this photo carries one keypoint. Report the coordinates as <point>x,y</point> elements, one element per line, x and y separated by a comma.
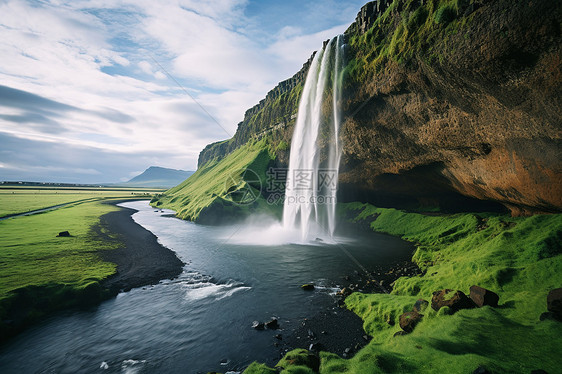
<point>99,57</point>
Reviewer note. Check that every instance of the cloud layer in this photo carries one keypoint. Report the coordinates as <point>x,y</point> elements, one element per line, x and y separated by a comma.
<point>94,90</point>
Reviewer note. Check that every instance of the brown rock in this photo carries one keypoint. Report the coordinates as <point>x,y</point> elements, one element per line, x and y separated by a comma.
<point>554,303</point>
<point>482,296</point>
<point>409,320</point>
<point>456,300</point>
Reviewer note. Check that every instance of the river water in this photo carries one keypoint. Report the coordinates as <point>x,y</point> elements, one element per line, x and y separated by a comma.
<point>201,321</point>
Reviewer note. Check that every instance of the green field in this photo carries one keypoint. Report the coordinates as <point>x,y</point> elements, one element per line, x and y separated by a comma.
<point>40,272</point>
<point>518,258</point>
<point>26,199</point>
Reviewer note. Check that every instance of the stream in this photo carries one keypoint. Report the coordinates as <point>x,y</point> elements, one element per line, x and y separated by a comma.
<point>201,321</point>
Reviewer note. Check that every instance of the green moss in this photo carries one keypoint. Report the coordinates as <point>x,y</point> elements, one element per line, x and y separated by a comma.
<point>445,14</point>
<point>282,146</point>
<point>519,258</point>
<point>298,361</point>
<point>257,368</point>
<point>416,32</point>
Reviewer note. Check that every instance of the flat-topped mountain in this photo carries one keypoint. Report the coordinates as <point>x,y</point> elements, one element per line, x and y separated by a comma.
<point>156,176</point>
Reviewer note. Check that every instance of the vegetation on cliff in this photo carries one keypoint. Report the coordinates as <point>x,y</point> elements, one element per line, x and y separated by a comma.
<point>519,258</point>
<point>223,190</point>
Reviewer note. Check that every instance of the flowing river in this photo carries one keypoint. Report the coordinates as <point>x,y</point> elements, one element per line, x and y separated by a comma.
<point>201,321</point>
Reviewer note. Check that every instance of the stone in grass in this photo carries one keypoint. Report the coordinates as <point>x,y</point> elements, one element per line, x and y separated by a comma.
<point>409,320</point>
<point>456,300</point>
<point>554,303</point>
<point>258,325</point>
<point>420,305</point>
<point>63,234</point>
<point>308,287</point>
<point>482,296</point>
<point>273,324</point>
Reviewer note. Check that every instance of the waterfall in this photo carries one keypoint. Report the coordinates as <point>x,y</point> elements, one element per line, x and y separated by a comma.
<point>310,194</point>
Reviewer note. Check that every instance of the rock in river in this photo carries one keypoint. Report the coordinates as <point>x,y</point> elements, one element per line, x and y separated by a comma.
<point>273,324</point>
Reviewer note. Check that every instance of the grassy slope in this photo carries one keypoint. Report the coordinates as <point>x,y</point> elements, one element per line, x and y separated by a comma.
<point>216,187</point>
<point>40,272</point>
<point>519,258</point>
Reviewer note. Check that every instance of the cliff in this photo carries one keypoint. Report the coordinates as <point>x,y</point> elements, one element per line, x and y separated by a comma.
<point>453,101</point>
<point>450,105</point>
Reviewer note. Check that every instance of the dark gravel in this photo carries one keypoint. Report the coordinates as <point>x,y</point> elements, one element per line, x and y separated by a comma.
<point>141,260</point>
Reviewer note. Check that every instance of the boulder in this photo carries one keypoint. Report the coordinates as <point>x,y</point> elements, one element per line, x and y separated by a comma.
<point>455,300</point>
<point>482,296</point>
<point>273,324</point>
<point>546,315</point>
<point>258,325</point>
<point>420,305</point>
<point>409,320</point>
<point>63,234</point>
<point>554,303</point>
<point>308,287</point>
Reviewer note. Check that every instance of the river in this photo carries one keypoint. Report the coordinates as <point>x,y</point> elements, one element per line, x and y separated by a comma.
<point>202,320</point>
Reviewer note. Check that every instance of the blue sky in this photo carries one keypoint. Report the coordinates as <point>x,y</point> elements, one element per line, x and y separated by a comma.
<point>86,94</point>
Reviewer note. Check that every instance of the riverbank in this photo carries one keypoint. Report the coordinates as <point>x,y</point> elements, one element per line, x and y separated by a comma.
<point>519,258</point>
<point>141,260</point>
<point>105,252</point>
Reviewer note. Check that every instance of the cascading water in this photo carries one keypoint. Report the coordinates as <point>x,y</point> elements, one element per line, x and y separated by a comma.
<point>310,194</point>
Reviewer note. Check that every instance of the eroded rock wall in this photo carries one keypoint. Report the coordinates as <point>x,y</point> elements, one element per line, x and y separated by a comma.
<point>483,121</point>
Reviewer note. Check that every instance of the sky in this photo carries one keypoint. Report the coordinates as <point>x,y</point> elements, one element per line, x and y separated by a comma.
<point>96,91</point>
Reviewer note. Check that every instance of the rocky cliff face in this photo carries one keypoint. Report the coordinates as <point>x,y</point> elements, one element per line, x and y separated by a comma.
<point>449,104</point>
<point>474,113</point>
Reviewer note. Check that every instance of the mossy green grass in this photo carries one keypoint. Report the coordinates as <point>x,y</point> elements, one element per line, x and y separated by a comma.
<point>41,272</point>
<point>520,258</point>
<point>32,254</point>
<point>224,189</point>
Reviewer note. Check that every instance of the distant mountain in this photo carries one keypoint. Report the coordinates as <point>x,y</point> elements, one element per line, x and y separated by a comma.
<point>156,176</point>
